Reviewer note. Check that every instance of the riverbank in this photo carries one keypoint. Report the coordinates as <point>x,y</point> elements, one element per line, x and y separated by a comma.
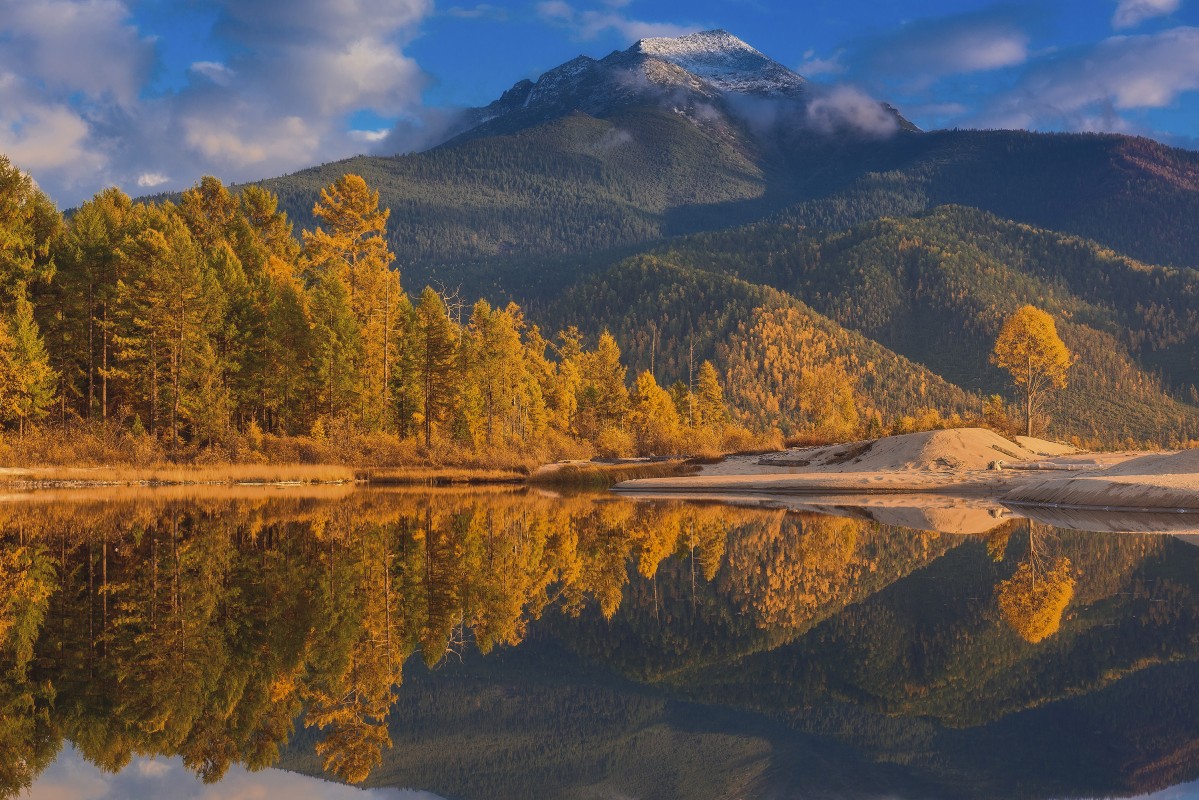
<point>964,462</point>
<point>585,474</point>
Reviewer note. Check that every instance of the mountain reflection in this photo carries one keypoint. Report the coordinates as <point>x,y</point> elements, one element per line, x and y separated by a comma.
<point>263,627</point>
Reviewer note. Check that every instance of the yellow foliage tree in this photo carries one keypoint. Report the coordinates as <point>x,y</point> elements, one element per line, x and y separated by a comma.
<point>1029,348</point>
<point>352,248</point>
<point>655,418</point>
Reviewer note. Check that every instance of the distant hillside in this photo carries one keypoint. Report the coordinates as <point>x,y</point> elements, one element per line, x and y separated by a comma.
<point>936,288</point>
<point>579,183</point>
<point>678,315</point>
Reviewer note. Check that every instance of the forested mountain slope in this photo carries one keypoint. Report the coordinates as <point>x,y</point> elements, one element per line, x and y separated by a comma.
<point>936,288</point>
<point>782,359</point>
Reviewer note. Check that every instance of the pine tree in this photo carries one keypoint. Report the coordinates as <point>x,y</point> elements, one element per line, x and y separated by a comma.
<point>436,348</point>
<point>352,249</point>
<point>170,308</point>
<point>83,297</point>
<point>709,401</point>
<point>27,380</point>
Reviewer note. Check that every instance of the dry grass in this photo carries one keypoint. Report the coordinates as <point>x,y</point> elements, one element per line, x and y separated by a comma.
<point>439,476</point>
<point>98,454</point>
<point>182,474</point>
<point>595,476</point>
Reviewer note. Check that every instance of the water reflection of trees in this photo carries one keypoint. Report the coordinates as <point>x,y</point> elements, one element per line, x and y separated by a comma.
<point>205,629</point>
<point>210,628</point>
<point>1033,599</point>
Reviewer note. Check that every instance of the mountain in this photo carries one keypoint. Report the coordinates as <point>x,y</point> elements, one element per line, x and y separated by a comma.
<point>813,201</point>
<point>711,78</point>
<point>703,131</point>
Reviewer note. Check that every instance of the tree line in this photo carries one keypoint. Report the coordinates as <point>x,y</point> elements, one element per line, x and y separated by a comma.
<point>191,320</point>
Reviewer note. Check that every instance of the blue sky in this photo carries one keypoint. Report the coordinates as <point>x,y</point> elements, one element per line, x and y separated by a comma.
<point>151,94</point>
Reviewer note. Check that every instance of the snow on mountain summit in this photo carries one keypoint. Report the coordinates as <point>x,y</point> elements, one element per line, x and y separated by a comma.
<point>704,76</point>
<point>724,61</point>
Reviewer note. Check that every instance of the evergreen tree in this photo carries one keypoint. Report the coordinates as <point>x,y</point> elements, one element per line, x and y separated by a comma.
<point>171,305</point>
<point>83,300</point>
<point>352,249</point>
<point>709,401</point>
<point>26,378</point>
<point>436,348</point>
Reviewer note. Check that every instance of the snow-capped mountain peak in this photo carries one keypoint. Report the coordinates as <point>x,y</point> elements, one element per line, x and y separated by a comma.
<point>696,46</point>
<point>724,61</point>
<point>713,78</point>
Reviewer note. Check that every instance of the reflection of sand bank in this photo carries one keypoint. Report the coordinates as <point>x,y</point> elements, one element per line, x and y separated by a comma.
<point>955,514</point>
<point>1091,519</point>
<point>925,512</point>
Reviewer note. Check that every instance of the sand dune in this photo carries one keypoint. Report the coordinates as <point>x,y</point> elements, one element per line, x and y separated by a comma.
<point>947,450</point>
<point>960,461</point>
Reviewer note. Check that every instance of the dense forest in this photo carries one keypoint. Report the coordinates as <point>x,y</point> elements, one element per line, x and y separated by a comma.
<point>205,324</point>
<point>917,302</point>
<point>483,211</point>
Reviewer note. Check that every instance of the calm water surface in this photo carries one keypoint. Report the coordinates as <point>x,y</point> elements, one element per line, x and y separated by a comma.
<point>340,643</point>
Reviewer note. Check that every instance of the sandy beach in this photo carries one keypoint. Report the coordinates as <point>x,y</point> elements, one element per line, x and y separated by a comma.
<point>963,462</point>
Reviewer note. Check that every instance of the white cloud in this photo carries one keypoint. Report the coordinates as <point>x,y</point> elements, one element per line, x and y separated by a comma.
<point>1130,13</point>
<point>70,777</point>
<point>214,71</point>
<point>251,139</point>
<point>74,46</point>
<point>480,11</point>
<point>370,137</point>
<point>75,113</point>
<point>927,50</point>
<point>590,23</point>
<point>43,136</point>
<point>846,108</point>
<point>1087,89</point>
<point>148,180</point>
<point>814,65</point>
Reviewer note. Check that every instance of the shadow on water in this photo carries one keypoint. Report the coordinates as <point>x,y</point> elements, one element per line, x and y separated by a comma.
<point>507,643</point>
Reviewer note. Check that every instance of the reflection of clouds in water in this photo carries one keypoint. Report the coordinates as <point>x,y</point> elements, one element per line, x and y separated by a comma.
<point>1184,791</point>
<point>71,777</point>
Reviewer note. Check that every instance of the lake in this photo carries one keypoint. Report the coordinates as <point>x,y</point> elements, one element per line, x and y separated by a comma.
<point>510,643</point>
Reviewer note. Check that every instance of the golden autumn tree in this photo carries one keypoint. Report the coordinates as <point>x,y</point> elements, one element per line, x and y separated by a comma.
<point>28,224</point>
<point>350,248</point>
<point>656,424</point>
<point>1029,348</point>
<point>26,378</point>
<point>792,373</point>
<point>710,398</point>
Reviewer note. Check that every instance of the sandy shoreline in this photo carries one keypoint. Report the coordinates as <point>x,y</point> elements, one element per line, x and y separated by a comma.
<point>961,462</point>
